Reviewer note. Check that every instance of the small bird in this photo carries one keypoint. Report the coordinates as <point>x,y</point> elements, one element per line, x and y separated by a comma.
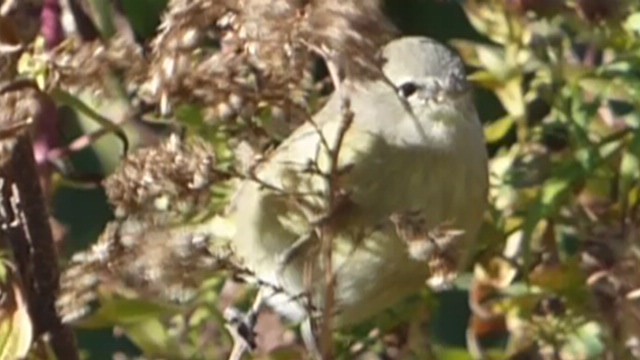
<point>356,192</point>
<point>383,163</point>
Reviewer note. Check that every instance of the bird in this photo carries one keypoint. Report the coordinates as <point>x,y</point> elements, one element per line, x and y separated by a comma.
<point>383,163</point>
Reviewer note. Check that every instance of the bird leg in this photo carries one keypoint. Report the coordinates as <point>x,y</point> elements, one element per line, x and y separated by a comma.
<point>241,327</point>
<point>309,338</point>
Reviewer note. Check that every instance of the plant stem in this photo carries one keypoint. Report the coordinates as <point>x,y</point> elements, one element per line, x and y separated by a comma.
<point>26,224</point>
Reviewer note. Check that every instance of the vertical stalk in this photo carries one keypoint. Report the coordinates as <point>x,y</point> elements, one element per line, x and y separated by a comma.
<point>26,220</point>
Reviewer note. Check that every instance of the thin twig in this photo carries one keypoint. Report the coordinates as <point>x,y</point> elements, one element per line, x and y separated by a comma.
<point>326,232</point>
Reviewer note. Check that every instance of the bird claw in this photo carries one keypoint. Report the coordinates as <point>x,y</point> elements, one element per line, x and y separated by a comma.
<point>241,327</point>
<point>310,339</point>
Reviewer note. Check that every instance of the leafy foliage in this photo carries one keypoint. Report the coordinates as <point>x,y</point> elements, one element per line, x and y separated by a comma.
<point>565,181</point>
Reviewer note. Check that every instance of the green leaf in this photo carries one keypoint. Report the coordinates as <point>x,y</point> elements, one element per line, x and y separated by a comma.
<point>489,20</point>
<point>144,15</point>
<point>153,337</point>
<point>561,279</point>
<point>585,343</point>
<point>483,56</point>
<point>630,166</point>
<point>632,24</point>
<point>486,80</point>
<point>286,353</point>
<point>76,103</point>
<point>122,312</point>
<point>511,96</point>
<point>555,189</point>
<point>191,116</point>
<point>498,129</point>
<point>103,15</point>
<point>5,267</point>
<point>453,354</point>
<point>616,88</point>
<point>16,329</point>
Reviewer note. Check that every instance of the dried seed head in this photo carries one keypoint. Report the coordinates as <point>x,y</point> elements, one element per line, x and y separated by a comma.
<point>133,258</point>
<point>172,179</point>
<point>351,31</point>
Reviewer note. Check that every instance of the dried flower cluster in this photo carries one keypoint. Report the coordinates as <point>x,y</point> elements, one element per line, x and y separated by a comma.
<point>24,99</point>
<point>351,31</point>
<point>29,106</point>
<point>172,180</point>
<point>76,65</point>
<point>150,251</point>
<point>132,258</point>
<point>235,58</point>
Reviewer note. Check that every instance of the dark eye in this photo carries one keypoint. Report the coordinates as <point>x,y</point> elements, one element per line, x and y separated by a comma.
<point>407,89</point>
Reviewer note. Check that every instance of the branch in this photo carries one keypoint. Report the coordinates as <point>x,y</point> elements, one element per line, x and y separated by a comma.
<point>25,217</point>
<point>326,232</point>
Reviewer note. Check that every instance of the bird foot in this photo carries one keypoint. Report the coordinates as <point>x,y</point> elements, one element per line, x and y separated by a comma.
<point>241,326</point>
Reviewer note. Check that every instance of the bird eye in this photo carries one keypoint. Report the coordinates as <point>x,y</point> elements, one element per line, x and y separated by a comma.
<point>407,89</point>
